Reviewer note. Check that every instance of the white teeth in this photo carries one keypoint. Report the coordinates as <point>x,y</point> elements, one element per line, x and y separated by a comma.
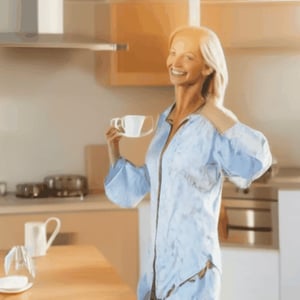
<point>177,73</point>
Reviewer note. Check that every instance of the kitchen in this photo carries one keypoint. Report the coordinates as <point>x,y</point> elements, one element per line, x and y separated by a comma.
<point>52,105</point>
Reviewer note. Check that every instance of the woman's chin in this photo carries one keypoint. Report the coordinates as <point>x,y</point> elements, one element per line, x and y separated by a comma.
<point>176,80</point>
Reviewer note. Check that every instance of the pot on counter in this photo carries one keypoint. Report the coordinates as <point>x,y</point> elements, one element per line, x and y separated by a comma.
<point>31,190</point>
<point>66,185</point>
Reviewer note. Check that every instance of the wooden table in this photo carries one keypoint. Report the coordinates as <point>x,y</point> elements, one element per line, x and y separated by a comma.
<point>73,272</point>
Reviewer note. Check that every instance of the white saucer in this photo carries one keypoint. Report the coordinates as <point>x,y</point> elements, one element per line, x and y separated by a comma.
<point>18,290</point>
<point>14,284</point>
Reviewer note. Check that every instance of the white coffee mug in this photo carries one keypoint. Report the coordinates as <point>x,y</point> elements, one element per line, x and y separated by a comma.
<point>36,241</point>
<point>133,125</point>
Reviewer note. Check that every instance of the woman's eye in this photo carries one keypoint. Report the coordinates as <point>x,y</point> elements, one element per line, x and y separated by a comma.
<point>189,57</point>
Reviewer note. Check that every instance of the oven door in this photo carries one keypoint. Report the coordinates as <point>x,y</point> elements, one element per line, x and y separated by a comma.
<point>249,223</point>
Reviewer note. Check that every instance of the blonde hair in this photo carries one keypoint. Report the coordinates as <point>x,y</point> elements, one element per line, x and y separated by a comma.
<point>212,52</point>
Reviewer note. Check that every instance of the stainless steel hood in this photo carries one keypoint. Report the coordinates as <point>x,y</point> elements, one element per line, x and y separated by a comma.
<point>37,40</point>
<point>39,24</point>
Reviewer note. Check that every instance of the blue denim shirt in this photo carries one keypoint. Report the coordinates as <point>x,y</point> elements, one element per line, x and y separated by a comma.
<point>185,185</point>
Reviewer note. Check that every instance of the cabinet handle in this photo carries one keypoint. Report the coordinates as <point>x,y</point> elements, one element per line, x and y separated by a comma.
<point>223,224</point>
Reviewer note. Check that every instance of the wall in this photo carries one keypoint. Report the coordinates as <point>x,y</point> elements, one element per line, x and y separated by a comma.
<point>264,92</point>
<point>51,107</point>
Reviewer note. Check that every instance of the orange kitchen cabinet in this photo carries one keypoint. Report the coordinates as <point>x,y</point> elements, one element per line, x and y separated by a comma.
<point>145,26</point>
<point>254,24</point>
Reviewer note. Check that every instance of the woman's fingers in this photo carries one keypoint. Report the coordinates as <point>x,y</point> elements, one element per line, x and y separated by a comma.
<point>113,134</point>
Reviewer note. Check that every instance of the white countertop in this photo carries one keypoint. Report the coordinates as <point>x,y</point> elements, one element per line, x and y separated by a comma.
<point>10,204</point>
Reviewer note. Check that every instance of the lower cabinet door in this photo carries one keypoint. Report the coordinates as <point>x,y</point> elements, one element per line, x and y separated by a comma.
<point>250,274</point>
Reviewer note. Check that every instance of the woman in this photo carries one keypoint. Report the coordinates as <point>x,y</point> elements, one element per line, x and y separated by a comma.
<point>197,142</point>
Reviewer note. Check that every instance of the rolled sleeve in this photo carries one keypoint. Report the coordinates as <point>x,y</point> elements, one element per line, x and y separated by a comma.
<point>244,154</point>
<point>126,184</point>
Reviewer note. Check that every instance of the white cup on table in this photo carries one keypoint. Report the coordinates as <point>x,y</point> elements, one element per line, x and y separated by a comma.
<point>36,241</point>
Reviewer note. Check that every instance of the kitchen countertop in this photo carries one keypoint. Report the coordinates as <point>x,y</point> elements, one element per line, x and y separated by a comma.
<point>10,204</point>
<point>286,179</point>
<point>269,190</point>
<point>74,272</point>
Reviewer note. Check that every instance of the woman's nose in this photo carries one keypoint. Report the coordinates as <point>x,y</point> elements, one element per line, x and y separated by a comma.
<point>177,60</point>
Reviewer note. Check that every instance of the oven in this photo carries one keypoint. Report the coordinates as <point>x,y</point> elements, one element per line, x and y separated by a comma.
<point>249,217</point>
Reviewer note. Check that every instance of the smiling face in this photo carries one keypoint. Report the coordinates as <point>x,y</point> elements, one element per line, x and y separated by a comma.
<point>185,62</point>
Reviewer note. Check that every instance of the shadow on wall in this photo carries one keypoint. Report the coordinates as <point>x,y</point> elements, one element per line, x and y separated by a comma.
<point>46,59</point>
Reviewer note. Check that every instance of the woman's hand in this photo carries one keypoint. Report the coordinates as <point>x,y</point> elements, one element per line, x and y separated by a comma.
<point>214,110</point>
<point>113,137</point>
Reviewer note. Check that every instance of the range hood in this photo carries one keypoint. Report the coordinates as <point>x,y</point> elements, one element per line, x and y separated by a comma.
<point>40,24</point>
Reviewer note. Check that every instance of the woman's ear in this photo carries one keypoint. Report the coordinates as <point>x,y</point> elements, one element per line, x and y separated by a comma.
<point>207,70</point>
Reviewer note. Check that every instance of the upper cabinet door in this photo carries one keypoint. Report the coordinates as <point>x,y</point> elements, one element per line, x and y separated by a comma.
<point>254,23</point>
<point>145,26</point>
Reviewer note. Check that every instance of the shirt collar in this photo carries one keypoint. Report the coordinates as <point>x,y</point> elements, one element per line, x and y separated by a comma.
<point>168,111</point>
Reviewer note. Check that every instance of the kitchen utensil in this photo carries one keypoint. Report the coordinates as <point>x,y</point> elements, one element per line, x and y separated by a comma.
<point>32,190</point>
<point>66,185</point>
<point>97,166</point>
<point>3,188</point>
<point>36,236</point>
<point>133,125</point>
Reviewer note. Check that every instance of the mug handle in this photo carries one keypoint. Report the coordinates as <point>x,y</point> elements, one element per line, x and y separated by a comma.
<point>54,233</point>
<point>117,123</point>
